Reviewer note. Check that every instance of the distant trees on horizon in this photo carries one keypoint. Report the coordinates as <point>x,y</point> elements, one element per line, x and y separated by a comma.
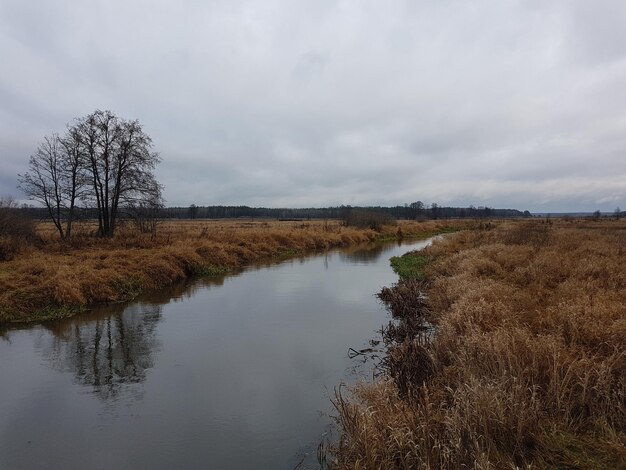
<point>413,211</point>
<point>404,212</point>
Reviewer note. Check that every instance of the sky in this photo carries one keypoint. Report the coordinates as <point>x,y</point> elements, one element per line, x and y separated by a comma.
<point>276,103</point>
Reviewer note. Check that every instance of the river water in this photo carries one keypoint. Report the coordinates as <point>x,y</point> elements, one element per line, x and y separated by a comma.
<point>235,372</point>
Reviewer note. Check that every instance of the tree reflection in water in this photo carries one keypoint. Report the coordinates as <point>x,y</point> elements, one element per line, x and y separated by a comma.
<point>363,253</point>
<point>112,347</point>
<point>108,349</point>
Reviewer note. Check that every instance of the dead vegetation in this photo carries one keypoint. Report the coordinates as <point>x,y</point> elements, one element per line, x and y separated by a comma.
<point>527,368</point>
<point>17,231</point>
<point>57,278</point>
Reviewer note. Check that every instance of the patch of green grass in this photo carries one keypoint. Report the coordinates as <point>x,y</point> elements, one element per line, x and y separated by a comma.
<point>211,270</point>
<point>409,266</point>
<point>129,288</point>
<point>49,313</point>
<point>289,253</point>
<point>565,450</point>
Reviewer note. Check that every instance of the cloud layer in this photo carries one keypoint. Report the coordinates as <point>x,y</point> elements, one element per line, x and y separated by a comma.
<point>277,103</point>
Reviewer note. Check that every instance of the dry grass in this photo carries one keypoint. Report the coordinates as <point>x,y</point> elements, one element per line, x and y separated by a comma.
<point>56,279</point>
<point>528,365</point>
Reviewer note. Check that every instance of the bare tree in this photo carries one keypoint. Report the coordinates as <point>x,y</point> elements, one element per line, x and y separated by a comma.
<point>75,176</point>
<point>99,132</point>
<point>417,209</point>
<point>102,160</point>
<point>120,162</point>
<point>434,210</point>
<point>52,180</point>
<point>134,182</point>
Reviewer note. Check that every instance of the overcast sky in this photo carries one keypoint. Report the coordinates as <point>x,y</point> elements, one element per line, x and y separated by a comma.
<point>517,104</point>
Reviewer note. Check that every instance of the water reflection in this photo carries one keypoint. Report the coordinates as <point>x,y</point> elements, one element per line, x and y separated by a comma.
<point>183,290</point>
<point>112,346</point>
<point>365,253</point>
<point>235,371</point>
<point>106,352</point>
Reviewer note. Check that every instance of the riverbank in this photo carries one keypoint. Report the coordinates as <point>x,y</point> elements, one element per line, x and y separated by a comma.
<point>55,280</point>
<point>527,367</point>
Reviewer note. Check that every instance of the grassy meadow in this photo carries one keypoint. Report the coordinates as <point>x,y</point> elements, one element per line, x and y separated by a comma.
<point>50,279</point>
<point>513,357</point>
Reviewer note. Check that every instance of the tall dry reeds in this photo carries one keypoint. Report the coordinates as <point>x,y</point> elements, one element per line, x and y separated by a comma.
<point>527,368</point>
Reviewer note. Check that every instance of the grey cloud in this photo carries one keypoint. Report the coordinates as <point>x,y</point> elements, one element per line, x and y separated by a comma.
<point>310,65</point>
<point>503,103</point>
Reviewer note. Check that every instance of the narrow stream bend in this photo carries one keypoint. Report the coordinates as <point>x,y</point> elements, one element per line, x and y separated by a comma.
<point>229,373</point>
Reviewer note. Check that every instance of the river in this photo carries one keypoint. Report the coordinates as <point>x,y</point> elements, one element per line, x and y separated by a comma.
<point>235,372</point>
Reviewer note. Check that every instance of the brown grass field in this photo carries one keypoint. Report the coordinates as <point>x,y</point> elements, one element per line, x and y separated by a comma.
<point>51,279</point>
<point>526,367</point>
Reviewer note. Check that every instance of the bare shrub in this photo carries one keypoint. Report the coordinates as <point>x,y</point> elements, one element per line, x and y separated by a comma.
<point>146,216</point>
<point>17,230</point>
<point>411,365</point>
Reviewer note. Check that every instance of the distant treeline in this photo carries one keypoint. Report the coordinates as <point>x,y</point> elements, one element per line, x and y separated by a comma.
<point>407,212</point>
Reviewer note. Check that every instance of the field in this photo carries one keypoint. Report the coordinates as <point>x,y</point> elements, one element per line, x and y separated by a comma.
<point>51,279</point>
<point>514,358</point>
